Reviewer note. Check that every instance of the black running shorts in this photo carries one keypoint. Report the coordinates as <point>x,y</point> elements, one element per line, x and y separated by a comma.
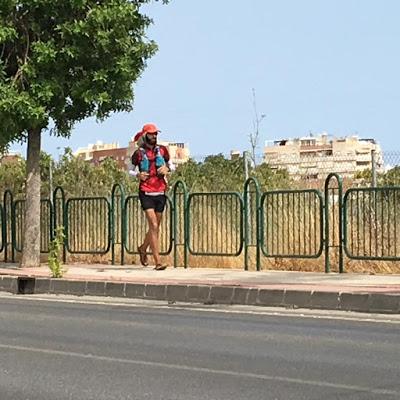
<point>155,202</point>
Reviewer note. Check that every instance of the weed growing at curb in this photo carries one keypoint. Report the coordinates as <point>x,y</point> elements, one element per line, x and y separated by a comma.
<point>54,259</point>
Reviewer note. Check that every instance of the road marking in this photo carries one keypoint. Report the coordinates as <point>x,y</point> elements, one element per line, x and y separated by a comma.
<point>230,309</point>
<point>189,368</point>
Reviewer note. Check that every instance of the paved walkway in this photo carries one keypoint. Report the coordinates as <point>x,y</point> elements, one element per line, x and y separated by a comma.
<point>297,289</point>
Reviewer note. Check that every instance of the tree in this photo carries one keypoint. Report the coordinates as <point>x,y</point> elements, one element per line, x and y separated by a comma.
<point>62,61</point>
<point>189,172</point>
<point>216,174</point>
<point>389,178</point>
<point>221,174</point>
<point>12,176</point>
<point>254,136</point>
<point>80,178</point>
<point>271,179</point>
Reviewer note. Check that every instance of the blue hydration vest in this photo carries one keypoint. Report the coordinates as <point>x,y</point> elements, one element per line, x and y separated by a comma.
<point>144,165</point>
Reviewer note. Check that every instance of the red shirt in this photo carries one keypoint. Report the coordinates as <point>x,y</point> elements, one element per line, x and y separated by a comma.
<point>154,183</point>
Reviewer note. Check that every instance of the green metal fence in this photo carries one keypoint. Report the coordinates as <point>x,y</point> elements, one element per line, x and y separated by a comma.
<point>180,219</point>
<point>362,224</point>
<point>251,215</point>
<point>46,224</point>
<point>372,223</point>
<point>333,220</point>
<point>135,226</point>
<point>88,225</point>
<point>292,224</point>
<point>59,215</point>
<point>117,222</point>
<point>3,226</point>
<point>219,213</point>
<point>9,226</point>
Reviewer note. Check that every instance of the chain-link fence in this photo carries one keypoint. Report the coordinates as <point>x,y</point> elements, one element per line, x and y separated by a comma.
<point>391,159</point>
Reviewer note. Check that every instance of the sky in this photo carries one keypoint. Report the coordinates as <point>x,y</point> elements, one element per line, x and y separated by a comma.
<point>315,66</point>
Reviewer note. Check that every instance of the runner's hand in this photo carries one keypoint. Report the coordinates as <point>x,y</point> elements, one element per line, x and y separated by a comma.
<point>143,176</point>
<point>163,170</point>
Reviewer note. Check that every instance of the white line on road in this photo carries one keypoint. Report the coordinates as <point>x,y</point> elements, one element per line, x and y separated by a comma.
<point>235,374</point>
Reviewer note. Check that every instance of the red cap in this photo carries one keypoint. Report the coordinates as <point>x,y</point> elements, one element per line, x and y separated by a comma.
<point>147,128</point>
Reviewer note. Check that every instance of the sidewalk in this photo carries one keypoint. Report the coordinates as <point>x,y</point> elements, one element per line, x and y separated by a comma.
<point>350,292</point>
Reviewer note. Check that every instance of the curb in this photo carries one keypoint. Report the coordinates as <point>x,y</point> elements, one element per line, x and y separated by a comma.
<point>381,303</point>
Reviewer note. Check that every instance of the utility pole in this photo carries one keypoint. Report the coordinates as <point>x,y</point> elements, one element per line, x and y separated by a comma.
<point>373,168</point>
<point>246,164</point>
<point>51,174</point>
<point>51,181</point>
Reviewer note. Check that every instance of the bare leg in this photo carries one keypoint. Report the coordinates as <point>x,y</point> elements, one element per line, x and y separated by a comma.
<point>151,238</point>
<point>146,242</point>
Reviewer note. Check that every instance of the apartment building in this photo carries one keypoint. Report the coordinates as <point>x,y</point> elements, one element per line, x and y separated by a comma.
<point>87,153</point>
<point>96,153</point>
<point>179,152</point>
<point>10,157</point>
<point>313,157</point>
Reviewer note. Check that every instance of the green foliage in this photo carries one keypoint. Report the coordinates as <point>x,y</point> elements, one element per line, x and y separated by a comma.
<point>76,176</point>
<point>217,174</point>
<point>46,163</point>
<point>364,176</point>
<point>80,178</point>
<point>388,178</point>
<point>214,174</point>
<point>12,176</point>
<point>271,179</point>
<point>66,60</point>
<point>55,250</point>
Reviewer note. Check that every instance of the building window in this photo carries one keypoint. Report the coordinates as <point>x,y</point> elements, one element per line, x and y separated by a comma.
<point>308,155</point>
<point>309,177</point>
<point>307,142</point>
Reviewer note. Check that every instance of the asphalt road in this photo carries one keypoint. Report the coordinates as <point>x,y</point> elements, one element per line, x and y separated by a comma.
<point>60,350</point>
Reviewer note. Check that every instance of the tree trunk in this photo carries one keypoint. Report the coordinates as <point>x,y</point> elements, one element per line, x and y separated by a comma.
<point>31,241</point>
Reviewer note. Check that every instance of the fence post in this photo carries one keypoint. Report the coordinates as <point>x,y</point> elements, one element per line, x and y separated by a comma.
<point>8,220</point>
<point>340,217</point>
<point>122,222</point>
<point>247,222</point>
<point>185,244</point>
<point>2,227</point>
<point>56,223</point>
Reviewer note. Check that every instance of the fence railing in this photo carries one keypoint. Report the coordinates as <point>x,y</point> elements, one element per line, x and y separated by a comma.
<point>292,224</point>
<point>88,225</point>
<point>333,219</point>
<point>3,226</point>
<point>362,223</point>
<point>135,226</point>
<point>371,223</point>
<point>221,214</point>
<point>46,218</point>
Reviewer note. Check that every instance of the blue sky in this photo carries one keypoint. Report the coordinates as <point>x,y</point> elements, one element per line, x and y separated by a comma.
<point>316,65</point>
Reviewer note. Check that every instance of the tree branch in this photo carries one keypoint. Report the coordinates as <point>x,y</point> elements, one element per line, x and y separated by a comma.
<point>19,73</point>
<point>254,136</point>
